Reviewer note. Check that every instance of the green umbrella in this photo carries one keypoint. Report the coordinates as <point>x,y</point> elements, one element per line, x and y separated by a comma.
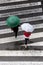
<point>13,21</point>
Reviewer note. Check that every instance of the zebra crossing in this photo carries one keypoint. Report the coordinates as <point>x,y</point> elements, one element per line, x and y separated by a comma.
<point>22,63</point>
<point>30,12</point>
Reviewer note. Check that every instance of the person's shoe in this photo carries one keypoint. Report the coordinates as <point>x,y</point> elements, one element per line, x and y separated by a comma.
<point>25,46</point>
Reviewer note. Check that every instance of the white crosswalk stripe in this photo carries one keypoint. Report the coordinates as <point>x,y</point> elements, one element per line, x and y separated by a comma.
<point>20,5</point>
<point>21,53</point>
<point>28,19</point>
<point>21,37</point>
<point>22,63</point>
<point>6,1</point>
<point>22,12</point>
<point>5,31</point>
<point>35,44</point>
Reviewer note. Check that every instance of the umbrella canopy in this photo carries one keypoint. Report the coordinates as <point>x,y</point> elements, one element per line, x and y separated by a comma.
<point>27,27</point>
<point>13,21</point>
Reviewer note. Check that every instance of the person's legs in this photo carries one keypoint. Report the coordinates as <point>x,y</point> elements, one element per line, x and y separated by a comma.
<point>26,42</point>
<point>16,33</point>
<point>15,29</point>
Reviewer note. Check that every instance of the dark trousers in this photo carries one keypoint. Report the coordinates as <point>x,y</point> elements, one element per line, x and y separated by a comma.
<point>15,29</point>
<point>26,40</point>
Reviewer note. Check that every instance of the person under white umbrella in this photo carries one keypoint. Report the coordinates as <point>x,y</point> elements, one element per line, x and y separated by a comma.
<point>28,29</point>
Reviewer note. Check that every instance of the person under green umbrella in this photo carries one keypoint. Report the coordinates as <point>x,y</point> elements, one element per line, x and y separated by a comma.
<point>13,22</point>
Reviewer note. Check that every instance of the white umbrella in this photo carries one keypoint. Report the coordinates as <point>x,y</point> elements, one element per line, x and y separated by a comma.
<point>27,27</point>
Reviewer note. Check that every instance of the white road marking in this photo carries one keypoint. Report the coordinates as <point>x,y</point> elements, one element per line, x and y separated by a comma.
<point>35,18</point>
<point>21,53</point>
<point>21,63</point>
<point>5,31</point>
<point>20,5</point>
<point>37,10</point>
<point>9,1</point>
<point>21,37</point>
<point>28,19</point>
<point>35,44</point>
